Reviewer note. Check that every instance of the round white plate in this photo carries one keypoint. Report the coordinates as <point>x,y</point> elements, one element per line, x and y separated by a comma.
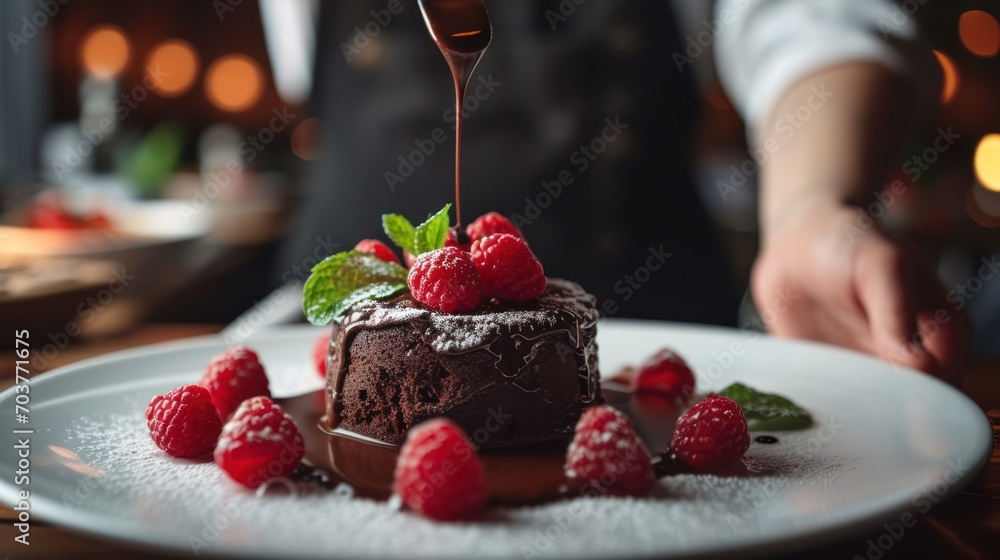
<point>887,445</point>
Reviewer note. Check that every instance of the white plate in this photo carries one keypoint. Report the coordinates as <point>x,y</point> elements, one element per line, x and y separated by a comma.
<point>887,444</point>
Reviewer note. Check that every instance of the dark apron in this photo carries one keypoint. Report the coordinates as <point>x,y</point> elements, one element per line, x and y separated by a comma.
<point>620,217</point>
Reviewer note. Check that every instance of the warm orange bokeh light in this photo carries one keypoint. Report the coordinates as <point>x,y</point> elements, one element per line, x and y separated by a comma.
<point>177,63</point>
<point>987,162</point>
<point>234,82</point>
<point>980,32</point>
<point>950,85</point>
<point>104,51</point>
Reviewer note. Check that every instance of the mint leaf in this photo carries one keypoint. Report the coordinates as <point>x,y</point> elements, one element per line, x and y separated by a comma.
<point>400,231</point>
<point>765,411</point>
<point>347,278</point>
<point>432,234</point>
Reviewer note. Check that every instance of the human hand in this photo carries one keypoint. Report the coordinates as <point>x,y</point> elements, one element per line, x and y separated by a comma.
<point>824,277</point>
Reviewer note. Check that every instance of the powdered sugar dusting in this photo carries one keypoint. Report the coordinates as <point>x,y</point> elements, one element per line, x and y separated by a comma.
<point>202,509</point>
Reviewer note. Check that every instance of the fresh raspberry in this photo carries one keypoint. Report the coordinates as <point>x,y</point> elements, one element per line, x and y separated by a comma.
<point>260,443</point>
<point>607,453</point>
<point>439,473</point>
<point>321,349</point>
<point>446,279</point>
<point>712,434</point>
<point>508,268</point>
<point>184,422</point>
<point>665,374</point>
<point>234,376</point>
<point>377,248</point>
<point>490,224</point>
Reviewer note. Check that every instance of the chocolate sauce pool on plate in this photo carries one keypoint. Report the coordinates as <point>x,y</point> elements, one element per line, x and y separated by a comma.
<point>528,474</point>
<point>462,31</point>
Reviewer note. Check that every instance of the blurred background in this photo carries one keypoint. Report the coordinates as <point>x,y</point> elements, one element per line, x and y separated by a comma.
<point>155,158</point>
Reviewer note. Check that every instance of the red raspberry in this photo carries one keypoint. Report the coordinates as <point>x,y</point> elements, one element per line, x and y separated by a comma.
<point>489,224</point>
<point>260,443</point>
<point>234,376</point>
<point>321,349</point>
<point>184,422</point>
<point>439,473</point>
<point>377,248</point>
<point>665,374</point>
<point>711,434</point>
<point>446,279</point>
<point>508,268</point>
<point>608,454</point>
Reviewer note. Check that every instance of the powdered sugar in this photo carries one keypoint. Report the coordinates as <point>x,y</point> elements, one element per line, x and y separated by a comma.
<point>200,508</point>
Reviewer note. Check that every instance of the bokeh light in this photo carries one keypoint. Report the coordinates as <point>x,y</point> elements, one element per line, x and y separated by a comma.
<point>950,86</point>
<point>104,51</point>
<point>987,162</point>
<point>234,82</point>
<point>980,32</point>
<point>178,63</point>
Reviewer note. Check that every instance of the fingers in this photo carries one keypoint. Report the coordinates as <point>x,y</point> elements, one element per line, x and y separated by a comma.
<point>946,332</point>
<point>886,287</point>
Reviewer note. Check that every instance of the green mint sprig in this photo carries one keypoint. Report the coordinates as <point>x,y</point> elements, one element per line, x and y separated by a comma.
<point>765,411</point>
<point>348,278</point>
<point>426,237</point>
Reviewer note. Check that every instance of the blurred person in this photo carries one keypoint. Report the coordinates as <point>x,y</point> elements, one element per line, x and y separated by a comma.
<point>557,78</point>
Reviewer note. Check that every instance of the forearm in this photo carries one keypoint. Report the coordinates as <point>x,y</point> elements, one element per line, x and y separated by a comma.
<point>856,117</point>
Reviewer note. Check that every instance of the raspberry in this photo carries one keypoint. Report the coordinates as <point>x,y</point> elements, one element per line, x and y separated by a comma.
<point>450,241</point>
<point>234,376</point>
<point>508,268</point>
<point>439,473</point>
<point>377,248</point>
<point>711,434</point>
<point>489,224</point>
<point>607,453</point>
<point>665,374</point>
<point>184,422</point>
<point>260,443</point>
<point>446,279</point>
<point>321,350</point>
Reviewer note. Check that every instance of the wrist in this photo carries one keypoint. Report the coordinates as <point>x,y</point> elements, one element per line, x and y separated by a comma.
<point>789,212</point>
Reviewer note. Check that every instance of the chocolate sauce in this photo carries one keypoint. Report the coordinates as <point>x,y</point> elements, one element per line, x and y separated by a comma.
<point>528,474</point>
<point>462,31</point>
<point>766,439</point>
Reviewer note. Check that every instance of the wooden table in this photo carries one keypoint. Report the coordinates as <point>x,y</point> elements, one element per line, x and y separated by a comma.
<point>965,526</point>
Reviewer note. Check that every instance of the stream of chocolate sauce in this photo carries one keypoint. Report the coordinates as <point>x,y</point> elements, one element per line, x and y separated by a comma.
<point>528,474</point>
<point>462,31</point>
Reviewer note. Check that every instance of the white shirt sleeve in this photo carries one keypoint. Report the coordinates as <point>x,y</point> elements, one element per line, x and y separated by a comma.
<point>765,46</point>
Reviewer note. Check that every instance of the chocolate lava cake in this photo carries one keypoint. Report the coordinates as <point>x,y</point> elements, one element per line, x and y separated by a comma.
<point>508,373</point>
